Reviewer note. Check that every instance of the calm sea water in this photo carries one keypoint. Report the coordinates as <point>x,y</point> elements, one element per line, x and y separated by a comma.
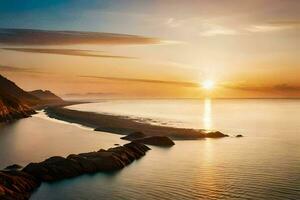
<point>265,164</point>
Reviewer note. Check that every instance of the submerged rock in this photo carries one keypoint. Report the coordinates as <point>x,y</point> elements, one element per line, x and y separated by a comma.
<point>238,136</point>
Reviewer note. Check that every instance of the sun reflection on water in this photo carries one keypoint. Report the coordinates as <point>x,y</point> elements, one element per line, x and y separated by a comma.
<point>207,118</point>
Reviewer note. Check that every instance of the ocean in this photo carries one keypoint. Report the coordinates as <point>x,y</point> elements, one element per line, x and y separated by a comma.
<point>264,164</point>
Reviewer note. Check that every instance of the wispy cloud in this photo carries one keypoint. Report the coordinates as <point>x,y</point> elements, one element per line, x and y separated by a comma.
<point>260,88</point>
<point>290,23</point>
<point>218,31</point>
<point>8,68</point>
<point>272,26</point>
<point>174,23</point>
<point>214,30</point>
<point>47,37</point>
<point>69,52</point>
<point>4,68</point>
<point>179,83</point>
<point>264,28</point>
<point>286,87</point>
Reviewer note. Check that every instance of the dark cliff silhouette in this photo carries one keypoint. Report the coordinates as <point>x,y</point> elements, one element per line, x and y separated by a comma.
<point>46,96</point>
<point>15,103</point>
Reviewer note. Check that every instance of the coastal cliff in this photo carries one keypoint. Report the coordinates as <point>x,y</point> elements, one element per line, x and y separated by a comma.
<point>11,108</point>
<point>11,90</point>
<point>15,103</point>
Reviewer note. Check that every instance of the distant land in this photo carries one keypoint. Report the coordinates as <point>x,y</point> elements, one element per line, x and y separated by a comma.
<point>46,96</point>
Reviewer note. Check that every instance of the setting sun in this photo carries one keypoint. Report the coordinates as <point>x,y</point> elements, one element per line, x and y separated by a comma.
<point>208,84</point>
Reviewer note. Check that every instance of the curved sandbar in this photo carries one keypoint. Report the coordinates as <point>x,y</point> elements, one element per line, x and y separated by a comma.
<point>124,125</point>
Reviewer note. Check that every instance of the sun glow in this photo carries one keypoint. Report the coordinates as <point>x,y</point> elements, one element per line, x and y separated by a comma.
<point>208,84</point>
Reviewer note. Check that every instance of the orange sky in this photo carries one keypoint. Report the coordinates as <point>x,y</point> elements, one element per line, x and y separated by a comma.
<point>157,49</point>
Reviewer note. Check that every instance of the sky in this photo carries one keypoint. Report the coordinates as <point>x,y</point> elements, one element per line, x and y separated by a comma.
<point>153,48</point>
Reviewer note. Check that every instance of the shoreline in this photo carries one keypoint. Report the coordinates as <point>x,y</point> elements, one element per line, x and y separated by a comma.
<point>123,125</point>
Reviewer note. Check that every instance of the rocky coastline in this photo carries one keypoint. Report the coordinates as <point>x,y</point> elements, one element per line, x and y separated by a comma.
<point>15,103</point>
<point>11,109</point>
<point>18,184</point>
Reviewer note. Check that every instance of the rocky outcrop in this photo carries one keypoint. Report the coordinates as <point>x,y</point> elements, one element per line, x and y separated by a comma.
<point>10,89</point>
<point>16,103</point>
<point>156,140</point>
<point>215,134</point>
<point>18,185</point>
<point>162,141</point>
<point>11,108</point>
<point>57,168</point>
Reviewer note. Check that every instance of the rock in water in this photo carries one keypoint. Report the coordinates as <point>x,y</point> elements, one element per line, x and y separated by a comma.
<point>18,185</point>
<point>157,140</point>
<point>238,136</point>
<point>163,141</point>
<point>57,168</point>
<point>216,134</point>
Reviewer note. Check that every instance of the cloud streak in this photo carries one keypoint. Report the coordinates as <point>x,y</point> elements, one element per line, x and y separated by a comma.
<point>178,83</point>
<point>47,37</point>
<point>278,87</point>
<point>4,68</point>
<point>272,26</point>
<point>289,23</point>
<point>68,52</point>
<point>211,29</point>
<point>14,69</point>
<point>218,31</point>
